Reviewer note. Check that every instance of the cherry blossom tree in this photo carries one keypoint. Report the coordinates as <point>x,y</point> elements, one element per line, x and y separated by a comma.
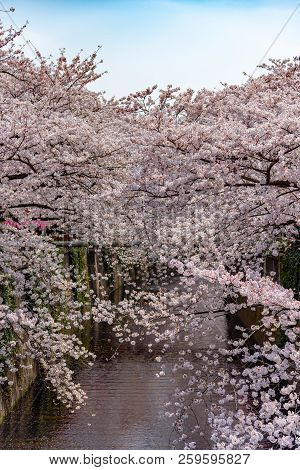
<point>200,188</point>
<point>219,174</point>
<point>58,174</point>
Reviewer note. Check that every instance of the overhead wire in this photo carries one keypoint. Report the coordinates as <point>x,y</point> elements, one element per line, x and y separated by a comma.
<point>275,39</point>
<point>27,41</point>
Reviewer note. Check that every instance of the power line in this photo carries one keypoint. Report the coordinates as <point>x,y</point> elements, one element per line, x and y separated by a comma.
<point>275,39</point>
<point>27,41</point>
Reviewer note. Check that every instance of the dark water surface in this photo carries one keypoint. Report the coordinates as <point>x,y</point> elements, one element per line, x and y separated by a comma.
<point>125,408</point>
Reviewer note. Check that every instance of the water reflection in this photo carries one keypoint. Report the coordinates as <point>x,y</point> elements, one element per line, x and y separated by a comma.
<point>124,409</point>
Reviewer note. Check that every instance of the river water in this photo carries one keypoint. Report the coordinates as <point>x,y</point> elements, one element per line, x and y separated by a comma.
<point>125,408</point>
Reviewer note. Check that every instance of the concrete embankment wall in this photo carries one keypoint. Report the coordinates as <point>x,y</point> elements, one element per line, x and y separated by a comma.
<point>87,261</point>
<point>287,273</point>
<point>22,380</point>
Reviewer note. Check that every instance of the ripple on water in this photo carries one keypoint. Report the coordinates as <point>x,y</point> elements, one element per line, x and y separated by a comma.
<point>124,409</point>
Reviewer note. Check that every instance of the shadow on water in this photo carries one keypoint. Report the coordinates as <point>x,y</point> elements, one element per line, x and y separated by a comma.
<point>124,409</point>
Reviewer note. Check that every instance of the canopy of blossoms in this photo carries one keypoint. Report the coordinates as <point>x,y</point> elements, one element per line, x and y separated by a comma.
<point>200,186</point>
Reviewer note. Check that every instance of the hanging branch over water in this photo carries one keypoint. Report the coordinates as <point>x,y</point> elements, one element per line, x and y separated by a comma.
<point>198,187</point>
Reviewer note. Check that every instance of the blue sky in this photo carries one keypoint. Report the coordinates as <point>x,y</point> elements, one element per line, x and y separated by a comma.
<point>190,43</point>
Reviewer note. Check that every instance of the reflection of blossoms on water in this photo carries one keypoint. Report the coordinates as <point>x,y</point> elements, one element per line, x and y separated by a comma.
<point>170,203</point>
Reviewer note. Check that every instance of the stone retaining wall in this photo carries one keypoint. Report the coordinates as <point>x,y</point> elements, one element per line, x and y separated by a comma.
<point>22,380</point>
<point>90,261</point>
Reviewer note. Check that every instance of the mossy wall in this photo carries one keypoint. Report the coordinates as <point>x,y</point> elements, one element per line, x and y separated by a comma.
<point>96,270</point>
<point>22,380</point>
<point>290,270</point>
<point>288,274</point>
